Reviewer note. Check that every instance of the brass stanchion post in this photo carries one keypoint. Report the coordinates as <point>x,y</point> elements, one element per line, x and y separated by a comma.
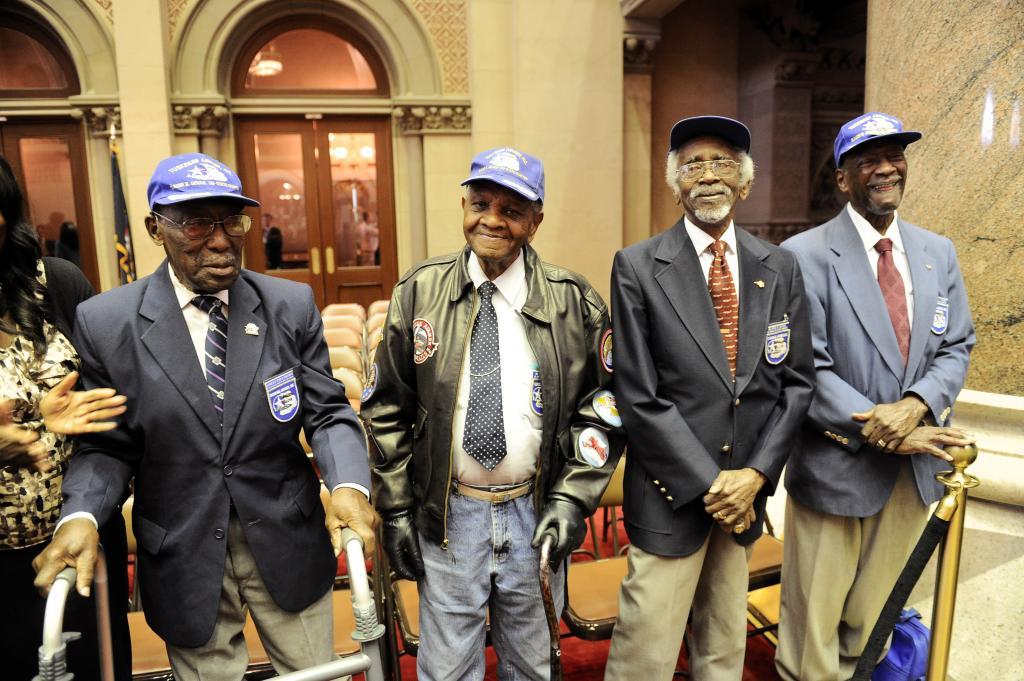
<point>952,507</point>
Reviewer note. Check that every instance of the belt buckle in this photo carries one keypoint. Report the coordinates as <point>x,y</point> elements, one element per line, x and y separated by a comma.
<point>502,497</point>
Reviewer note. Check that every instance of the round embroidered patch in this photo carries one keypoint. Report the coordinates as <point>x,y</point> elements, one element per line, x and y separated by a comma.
<point>605,351</point>
<point>371,383</point>
<point>423,343</point>
<point>604,406</point>
<point>593,446</point>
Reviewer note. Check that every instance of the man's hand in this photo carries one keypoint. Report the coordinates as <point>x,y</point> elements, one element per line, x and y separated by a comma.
<point>885,425</point>
<point>350,508</point>
<point>74,544</point>
<point>73,412</point>
<point>742,525</point>
<point>932,439</point>
<point>562,518</point>
<point>732,494</point>
<point>20,447</point>
<point>402,545</point>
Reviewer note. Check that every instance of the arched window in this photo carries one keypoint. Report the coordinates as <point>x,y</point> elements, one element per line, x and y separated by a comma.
<point>33,63</point>
<point>291,58</point>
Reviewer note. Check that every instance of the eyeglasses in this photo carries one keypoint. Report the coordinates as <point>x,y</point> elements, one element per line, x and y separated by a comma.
<point>200,228</point>
<point>721,167</point>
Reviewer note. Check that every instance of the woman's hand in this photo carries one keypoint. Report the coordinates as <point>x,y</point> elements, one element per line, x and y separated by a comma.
<point>19,446</point>
<point>73,412</point>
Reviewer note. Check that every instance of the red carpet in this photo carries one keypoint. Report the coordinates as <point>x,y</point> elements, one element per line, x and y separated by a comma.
<point>585,660</point>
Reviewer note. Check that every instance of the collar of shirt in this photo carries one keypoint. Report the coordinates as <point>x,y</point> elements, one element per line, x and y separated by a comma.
<point>511,284</point>
<point>185,296</point>
<point>702,240</point>
<point>870,236</point>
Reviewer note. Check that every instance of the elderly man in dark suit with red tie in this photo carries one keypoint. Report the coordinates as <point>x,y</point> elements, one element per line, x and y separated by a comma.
<point>713,374</point>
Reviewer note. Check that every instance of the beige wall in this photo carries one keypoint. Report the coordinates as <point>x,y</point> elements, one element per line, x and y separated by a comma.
<point>958,77</point>
<point>695,73</point>
<point>546,77</point>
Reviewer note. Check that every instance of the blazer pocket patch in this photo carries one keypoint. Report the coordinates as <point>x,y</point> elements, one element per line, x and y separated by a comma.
<point>149,535</point>
<point>776,341</point>
<point>283,395</point>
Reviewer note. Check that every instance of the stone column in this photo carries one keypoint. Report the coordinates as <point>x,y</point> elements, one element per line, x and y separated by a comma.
<point>639,41</point>
<point>955,71</point>
<point>140,37</point>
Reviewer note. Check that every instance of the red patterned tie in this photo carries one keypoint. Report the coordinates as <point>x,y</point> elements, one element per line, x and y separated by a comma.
<point>727,305</point>
<point>891,283</point>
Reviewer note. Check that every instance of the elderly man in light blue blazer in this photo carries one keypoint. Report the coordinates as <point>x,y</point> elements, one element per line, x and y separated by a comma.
<point>892,336</point>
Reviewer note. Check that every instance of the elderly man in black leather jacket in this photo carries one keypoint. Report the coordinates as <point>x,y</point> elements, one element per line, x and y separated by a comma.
<point>491,423</point>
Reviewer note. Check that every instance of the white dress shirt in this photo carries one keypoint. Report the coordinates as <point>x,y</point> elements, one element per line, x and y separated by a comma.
<point>518,364</point>
<point>702,244</point>
<point>870,236</point>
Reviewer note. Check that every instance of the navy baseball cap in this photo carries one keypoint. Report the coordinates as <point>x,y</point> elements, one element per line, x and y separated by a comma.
<point>732,131</point>
<point>868,128</point>
<point>522,173</point>
<point>189,177</point>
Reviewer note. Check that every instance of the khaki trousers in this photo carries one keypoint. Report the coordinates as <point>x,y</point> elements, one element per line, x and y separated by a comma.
<point>293,640</point>
<point>654,604</point>
<point>837,573</point>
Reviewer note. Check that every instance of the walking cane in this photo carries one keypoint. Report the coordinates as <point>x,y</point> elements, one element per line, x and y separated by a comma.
<point>549,608</point>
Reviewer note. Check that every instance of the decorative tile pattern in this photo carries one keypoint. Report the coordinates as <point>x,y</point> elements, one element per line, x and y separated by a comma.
<point>175,12</point>
<point>446,20</point>
<point>107,7</point>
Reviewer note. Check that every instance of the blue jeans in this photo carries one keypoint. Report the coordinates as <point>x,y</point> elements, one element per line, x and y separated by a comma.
<point>489,563</point>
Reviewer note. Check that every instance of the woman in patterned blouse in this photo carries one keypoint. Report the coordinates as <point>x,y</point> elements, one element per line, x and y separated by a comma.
<point>39,412</point>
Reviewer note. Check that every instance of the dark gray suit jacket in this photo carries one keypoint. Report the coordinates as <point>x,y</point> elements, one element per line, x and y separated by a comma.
<point>859,364</point>
<point>187,473</point>
<point>684,417</point>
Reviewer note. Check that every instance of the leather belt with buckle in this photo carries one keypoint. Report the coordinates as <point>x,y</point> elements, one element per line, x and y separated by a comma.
<point>495,495</point>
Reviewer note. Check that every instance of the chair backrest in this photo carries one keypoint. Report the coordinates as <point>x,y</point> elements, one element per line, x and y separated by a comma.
<point>375,322</point>
<point>346,357</point>
<point>353,384</point>
<point>341,309</point>
<point>377,306</point>
<point>343,338</point>
<point>344,322</point>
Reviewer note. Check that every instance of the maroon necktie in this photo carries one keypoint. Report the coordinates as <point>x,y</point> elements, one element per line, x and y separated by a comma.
<point>727,305</point>
<point>891,283</point>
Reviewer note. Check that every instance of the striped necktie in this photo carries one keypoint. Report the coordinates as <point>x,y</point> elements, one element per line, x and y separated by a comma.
<point>723,297</point>
<point>216,350</point>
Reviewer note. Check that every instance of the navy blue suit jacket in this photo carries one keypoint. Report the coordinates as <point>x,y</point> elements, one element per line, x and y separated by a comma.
<point>188,472</point>
<point>685,418</point>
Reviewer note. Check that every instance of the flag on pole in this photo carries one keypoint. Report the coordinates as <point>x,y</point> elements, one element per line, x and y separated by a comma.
<point>122,231</point>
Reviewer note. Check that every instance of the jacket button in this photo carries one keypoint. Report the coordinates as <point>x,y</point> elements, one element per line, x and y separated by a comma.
<point>846,440</point>
<point>656,482</point>
<point>218,533</point>
<point>726,448</point>
<point>668,498</point>
<point>228,471</point>
<point>736,402</point>
<point>662,490</point>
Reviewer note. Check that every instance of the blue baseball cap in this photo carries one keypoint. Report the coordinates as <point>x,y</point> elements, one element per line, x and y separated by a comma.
<point>728,129</point>
<point>522,173</point>
<point>189,177</point>
<point>868,128</point>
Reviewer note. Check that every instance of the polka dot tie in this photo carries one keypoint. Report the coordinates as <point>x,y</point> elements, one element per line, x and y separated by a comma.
<point>727,304</point>
<point>216,350</point>
<point>484,434</point>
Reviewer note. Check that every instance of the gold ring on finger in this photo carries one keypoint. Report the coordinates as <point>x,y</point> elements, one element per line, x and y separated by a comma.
<point>881,444</point>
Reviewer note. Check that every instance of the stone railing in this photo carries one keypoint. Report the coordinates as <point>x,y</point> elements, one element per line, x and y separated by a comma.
<point>997,421</point>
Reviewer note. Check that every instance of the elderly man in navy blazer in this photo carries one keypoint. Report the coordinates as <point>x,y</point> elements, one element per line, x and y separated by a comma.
<point>892,336</point>
<point>221,368</point>
<point>713,375</point>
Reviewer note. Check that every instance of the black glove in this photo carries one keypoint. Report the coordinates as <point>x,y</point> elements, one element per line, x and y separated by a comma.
<point>403,547</point>
<point>563,518</point>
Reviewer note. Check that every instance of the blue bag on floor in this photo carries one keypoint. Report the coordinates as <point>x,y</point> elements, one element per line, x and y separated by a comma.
<point>907,659</point>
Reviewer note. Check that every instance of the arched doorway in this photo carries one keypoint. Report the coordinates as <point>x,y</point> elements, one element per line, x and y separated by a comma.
<point>325,182</point>
<point>47,152</point>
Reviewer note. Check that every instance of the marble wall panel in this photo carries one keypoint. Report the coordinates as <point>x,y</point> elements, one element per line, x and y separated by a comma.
<point>955,71</point>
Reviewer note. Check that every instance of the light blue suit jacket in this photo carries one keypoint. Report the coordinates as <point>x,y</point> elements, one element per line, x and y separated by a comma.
<point>858,363</point>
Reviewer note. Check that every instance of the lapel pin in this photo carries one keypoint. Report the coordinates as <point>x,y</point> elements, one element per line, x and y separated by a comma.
<point>759,283</point>
<point>927,267</point>
<point>252,330</point>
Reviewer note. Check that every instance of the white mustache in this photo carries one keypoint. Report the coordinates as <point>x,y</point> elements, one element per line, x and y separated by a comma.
<point>705,190</point>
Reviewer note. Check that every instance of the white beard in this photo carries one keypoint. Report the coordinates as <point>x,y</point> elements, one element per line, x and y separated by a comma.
<point>713,215</point>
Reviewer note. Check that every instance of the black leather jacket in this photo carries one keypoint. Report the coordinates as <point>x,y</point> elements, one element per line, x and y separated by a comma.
<point>409,401</point>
